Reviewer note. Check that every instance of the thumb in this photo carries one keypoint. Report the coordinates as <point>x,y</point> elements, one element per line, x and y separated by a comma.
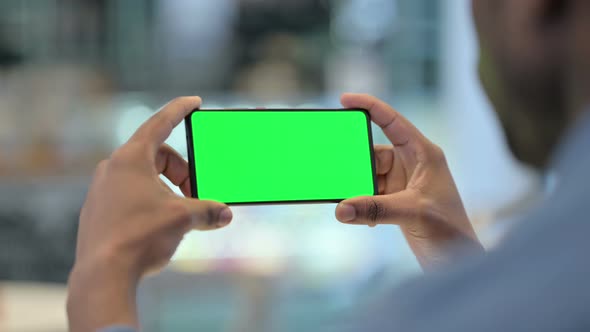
<point>205,215</point>
<point>396,208</point>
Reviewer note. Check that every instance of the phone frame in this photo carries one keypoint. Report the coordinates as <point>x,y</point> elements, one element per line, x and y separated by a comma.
<point>193,170</point>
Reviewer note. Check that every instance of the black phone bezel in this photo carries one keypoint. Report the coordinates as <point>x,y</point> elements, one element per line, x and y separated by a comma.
<point>191,159</point>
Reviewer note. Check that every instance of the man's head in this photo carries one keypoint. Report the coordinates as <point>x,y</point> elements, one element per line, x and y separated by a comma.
<point>535,67</point>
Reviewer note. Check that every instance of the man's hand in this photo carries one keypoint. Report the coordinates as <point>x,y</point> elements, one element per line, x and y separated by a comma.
<point>416,189</point>
<point>132,222</point>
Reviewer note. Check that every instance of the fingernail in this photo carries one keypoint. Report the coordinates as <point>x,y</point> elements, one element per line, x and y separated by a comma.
<point>346,213</point>
<point>225,217</point>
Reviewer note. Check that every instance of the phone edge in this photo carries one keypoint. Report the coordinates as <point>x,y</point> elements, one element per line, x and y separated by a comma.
<point>193,171</point>
<point>190,154</point>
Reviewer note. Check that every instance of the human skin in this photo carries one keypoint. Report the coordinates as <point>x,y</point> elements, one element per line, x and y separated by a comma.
<point>132,222</point>
<point>416,190</point>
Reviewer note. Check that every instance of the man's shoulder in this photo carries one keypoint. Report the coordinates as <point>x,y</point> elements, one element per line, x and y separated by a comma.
<point>536,280</point>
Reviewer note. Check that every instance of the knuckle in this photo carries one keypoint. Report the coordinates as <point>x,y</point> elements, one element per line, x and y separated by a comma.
<point>209,215</point>
<point>181,214</point>
<point>374,211</point>
<point>178,211</point>
<point>436,154</point>
<point>101,166</point>
<point>422,207</point>
<point>129,153</point>
<point>209,212</point>
<point>162,155</point>
<point>120,156</point>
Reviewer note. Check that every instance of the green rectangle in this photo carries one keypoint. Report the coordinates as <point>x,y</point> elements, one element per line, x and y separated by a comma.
<point>275,156</point>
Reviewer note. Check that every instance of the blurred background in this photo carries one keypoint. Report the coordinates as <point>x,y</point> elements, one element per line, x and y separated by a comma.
<point>78,77</point>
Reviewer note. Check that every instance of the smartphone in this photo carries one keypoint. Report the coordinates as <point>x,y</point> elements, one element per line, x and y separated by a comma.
<point>247,156</point>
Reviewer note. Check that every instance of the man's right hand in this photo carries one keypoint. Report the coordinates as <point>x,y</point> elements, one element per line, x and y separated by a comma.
<point>132,222</point>
<point>416,189</point>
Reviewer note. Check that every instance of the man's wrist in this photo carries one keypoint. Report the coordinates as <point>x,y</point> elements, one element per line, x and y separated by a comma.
<point>101,293</point>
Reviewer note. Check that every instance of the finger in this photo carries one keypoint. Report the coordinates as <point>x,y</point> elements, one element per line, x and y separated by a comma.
<point>381,184</point>
<point>157,129</point>
<point>389,209</point>
<point>396,127</point>
<point>173,166</point>
<point>391,176</point>
<point>397,179</point>
<point>407,139</point>
<point>383,158</point>
<point>206,215</point>
<point>101,169</point>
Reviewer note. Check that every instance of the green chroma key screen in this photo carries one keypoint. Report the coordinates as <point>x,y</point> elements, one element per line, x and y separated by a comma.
<point>274,156</point>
